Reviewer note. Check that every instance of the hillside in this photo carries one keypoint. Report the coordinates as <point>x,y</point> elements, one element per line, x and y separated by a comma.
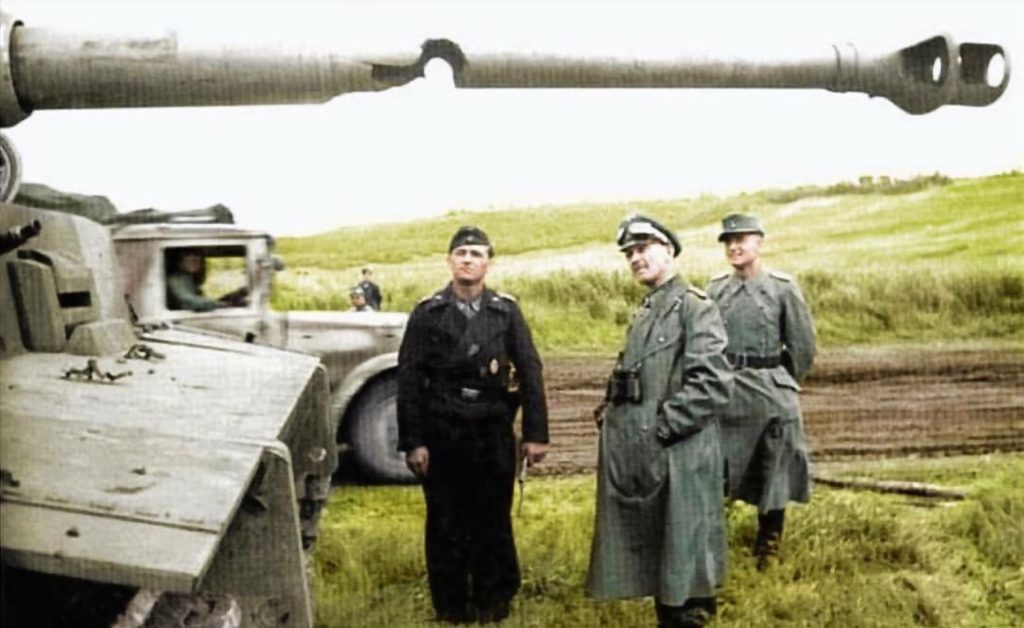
<point>917,260</point>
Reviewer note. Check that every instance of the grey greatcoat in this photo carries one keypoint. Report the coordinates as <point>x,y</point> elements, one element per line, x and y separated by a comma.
<point>660,526</point>
<point>762,429</point>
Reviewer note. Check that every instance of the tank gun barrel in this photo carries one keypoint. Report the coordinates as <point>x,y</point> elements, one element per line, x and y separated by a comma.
<point>43,69</point>
<point>918,79</point>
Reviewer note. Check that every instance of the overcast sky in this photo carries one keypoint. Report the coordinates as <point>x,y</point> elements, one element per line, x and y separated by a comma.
<point>425,149</point>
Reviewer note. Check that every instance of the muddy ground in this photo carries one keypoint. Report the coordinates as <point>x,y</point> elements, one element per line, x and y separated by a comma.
<point>873,403</point>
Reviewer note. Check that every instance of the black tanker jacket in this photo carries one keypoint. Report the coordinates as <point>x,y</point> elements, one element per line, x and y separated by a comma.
<point>454,371</point>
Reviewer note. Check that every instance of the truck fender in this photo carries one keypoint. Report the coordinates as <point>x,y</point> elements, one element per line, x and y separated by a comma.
<point>342,397</point>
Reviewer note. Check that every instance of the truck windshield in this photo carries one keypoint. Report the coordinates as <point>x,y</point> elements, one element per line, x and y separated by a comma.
<point>204,278</point>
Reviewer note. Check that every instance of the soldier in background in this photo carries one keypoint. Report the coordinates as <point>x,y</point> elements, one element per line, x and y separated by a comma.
<point>371,290</point>
<point>660,525</point>
<point>457,400</point>
<point>771,347</point>
<point>358,298</point>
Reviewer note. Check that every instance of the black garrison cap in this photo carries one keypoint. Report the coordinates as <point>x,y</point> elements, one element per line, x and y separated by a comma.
<point>470,235</point>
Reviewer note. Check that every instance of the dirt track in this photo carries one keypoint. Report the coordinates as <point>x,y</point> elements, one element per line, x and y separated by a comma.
<point>857,404</point>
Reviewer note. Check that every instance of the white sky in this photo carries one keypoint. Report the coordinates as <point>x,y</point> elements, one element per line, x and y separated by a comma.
<point>423,150</point>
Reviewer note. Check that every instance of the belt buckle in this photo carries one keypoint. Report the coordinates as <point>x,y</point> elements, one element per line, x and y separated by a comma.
<point>741,361</point>
<point>469,394</point>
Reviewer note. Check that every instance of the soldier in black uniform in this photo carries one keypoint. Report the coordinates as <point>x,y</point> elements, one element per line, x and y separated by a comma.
<point>371,290</point>
<point>467,363</point>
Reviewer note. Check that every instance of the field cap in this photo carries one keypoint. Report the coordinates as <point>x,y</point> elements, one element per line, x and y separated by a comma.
<point>636,228</point>
<point>739,223</point>
<point>356,290</point>
<point>467,235</point>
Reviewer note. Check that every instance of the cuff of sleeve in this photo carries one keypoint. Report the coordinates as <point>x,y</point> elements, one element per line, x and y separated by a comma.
<point>661,429</point>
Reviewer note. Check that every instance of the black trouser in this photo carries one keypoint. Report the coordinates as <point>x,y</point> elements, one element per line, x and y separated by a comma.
<point>471,553</point>
<point>694,613</point>
<point>769,532</point>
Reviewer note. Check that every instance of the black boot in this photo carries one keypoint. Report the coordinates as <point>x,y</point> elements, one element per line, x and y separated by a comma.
<point>695,613</point>
<point>769,536</point>
<point>456,616</point>
<point>494,611</point>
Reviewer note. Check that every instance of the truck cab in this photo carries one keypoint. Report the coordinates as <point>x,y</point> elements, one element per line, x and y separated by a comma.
<point>228,291</point>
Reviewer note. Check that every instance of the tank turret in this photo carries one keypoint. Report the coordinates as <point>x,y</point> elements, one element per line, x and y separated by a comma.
<point>147,474</point>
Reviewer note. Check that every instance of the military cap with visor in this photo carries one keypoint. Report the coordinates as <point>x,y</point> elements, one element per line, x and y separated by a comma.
<point>636,229</point>
<point>735,224</point>
<point>467,236</point>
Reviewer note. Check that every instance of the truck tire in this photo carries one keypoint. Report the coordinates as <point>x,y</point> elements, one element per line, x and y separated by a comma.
<point>374,433</point>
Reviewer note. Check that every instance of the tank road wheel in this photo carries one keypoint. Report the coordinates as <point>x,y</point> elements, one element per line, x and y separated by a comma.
<point>373,432</point>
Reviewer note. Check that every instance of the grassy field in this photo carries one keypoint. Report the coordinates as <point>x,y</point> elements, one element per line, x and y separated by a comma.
<point>922,260</point>
<point>850,559</point>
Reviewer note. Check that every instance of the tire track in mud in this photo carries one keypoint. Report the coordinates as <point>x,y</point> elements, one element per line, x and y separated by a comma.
<point>857,403</point>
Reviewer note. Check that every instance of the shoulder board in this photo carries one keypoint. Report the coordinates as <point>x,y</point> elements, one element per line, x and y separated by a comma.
<point>781,276</point>
<point>722,276</point>
<point>506,296</point>
<point>700,294</point>
<point>432,297</point>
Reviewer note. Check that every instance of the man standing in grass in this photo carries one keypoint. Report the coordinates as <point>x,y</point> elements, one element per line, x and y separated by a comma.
<point>771,348</point>
<point>660,528</point>
<point>466,364</point>
<point>371,290</point>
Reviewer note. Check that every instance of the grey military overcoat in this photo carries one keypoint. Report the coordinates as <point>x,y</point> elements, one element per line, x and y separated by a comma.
<point>762,429</point>
<point>659,526</point>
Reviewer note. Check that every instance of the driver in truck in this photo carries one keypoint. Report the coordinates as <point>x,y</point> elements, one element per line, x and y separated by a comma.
<point>185,280</point>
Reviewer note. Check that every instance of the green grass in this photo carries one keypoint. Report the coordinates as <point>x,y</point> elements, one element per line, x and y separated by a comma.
<point>912,261</point>
<point>919,261</point>
<point>962,223</point>
<point>850,558</point>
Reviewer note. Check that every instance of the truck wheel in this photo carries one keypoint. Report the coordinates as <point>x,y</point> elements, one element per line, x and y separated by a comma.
<point>374,433</point>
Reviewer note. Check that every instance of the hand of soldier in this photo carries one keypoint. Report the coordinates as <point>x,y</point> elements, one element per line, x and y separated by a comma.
<point>600,413</point>
<point>533,453</point>
<point>418,460</point>
<point>235,298</point>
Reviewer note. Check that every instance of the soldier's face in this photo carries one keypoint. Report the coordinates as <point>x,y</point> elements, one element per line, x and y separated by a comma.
<point>469,263</point>
<point>743,249</point>
<point>191,263</point>
<point>650,262</point>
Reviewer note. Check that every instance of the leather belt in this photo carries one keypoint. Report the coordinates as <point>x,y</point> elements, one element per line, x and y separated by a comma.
<point>750,361</point>
<point>467,395</point>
